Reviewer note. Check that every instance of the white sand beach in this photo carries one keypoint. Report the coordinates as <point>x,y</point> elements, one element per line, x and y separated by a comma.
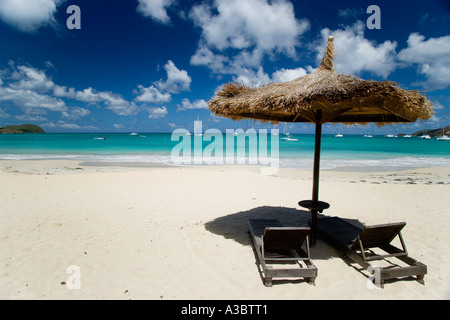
<point>181,233</point>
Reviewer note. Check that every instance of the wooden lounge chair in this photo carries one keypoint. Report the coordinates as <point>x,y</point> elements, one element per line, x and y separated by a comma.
<point>358,243</point>
<point>280,250</point>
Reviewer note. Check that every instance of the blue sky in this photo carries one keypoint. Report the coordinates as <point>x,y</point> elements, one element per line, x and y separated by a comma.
<point>151,65</point>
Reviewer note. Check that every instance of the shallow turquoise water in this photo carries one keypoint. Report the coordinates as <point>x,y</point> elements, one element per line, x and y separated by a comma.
<point>350,150</point>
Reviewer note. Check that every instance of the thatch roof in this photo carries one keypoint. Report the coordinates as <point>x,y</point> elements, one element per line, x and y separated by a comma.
<point>341,98</point>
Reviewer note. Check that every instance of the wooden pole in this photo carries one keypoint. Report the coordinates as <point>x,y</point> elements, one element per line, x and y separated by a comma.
<point>316,173</point>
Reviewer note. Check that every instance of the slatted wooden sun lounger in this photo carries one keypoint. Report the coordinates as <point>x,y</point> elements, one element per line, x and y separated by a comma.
<point>283,252</point>
<point>357,244</point>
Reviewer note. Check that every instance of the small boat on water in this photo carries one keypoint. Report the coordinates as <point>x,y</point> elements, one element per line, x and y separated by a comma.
<point>134,134</point>
<point>99,138</point>
<point>368,136</point>
<point>425,136</point>
<point>444,137</point>
<point>339,135</point>
<point>289,139</point>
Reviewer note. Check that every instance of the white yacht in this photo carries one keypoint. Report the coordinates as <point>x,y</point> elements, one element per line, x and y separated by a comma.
<point>443,137</point>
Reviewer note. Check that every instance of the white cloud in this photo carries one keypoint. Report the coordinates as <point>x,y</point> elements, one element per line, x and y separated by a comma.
<point>152,95</point>
<point>285,75</point>
<point>112,101</point>
<point>160,92</point>
<point>197,104</point>
<point>31,89</point>
<point>28,15</point>
<point>252,78</point>
<point>29,99</point>
<point>29,78</point>
<point>432,58</point>
<point>251,29</point>
<point>156,9</point>
<point>157,113</point>
<point>244,24</point>
<point>205,57</point>
<point>118,105</point>
<point>177,80</point>
<point>75,113</point>
<point>356,54</point>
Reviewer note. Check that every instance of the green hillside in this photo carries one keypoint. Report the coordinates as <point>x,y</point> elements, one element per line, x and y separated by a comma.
<point>23,128</point>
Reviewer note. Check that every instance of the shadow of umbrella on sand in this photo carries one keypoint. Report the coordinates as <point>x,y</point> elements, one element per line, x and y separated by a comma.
<point>320,97</point>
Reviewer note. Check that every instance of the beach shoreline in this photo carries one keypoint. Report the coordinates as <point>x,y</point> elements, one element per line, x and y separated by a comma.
<point>139,231</point>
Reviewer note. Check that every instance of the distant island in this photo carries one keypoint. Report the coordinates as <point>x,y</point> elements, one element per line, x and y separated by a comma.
<point>23,128</point>
<point>433,132</point>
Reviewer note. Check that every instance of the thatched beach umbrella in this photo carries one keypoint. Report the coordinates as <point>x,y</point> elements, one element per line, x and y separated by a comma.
<point>320,97</point>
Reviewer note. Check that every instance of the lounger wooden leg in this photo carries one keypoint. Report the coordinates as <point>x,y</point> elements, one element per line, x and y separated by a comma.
<point>268,282</point>
<point>420,279</point>
<point>312,281</point>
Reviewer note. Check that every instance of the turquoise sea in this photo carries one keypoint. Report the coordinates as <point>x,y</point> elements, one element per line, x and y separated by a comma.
<point>349,151</point>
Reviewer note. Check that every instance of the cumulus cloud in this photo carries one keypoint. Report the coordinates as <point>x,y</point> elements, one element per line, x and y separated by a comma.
<point>29,99</point>
<point>75,113</point>
<point>251,77</point>
<point>253,23</point>
<point>157,113</point>
<point>432,58</point>
<point>188,105</point>
<point>247,30</point>
<point>155,9</point>
<point>356,54</point>
<point>160,91</point>
<point>31,79</point>
<point>28,15</point>
<point>152,95</point>
<point>33,91</point>
<point>177,80</point>
<point>285,75</point>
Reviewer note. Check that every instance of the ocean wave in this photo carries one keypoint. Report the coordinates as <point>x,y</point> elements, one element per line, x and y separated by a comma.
<point>401,162</point>
<point>297,163</point>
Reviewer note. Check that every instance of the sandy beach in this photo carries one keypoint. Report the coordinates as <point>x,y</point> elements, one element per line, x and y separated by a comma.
<point>163,233</point>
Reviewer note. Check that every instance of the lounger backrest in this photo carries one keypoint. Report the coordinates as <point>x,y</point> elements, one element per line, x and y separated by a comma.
<point>379,235</point>
<point>284,238</point>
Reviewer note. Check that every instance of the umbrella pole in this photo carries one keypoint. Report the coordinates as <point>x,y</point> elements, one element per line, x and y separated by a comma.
<point>316,170</point>
<point>315,190</point>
